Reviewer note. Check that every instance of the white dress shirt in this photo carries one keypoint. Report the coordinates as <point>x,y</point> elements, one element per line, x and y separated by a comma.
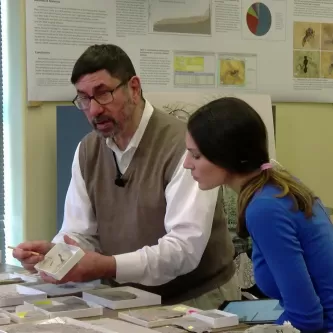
<point>188,221</point>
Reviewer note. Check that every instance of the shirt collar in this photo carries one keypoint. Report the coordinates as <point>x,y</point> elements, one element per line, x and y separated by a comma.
<point>134,143</point>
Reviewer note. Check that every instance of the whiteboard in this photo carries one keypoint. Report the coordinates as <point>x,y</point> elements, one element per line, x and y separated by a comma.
<point>190,102</point>
<point>278,47</point>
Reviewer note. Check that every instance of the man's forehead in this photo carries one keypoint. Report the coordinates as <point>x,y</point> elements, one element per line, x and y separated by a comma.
<point>95,81</point>
<point>88,88</point>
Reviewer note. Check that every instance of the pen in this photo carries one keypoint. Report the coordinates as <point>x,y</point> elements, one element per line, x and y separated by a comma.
<point>32,252</point>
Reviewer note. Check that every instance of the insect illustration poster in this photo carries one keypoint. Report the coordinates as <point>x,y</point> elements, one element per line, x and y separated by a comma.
<point>283,48</point>
<point>313,50</point>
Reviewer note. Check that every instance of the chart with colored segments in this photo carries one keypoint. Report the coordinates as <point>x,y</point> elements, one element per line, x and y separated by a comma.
<point>249,46</point>
<point>259,19</point>
<point>264,20</point>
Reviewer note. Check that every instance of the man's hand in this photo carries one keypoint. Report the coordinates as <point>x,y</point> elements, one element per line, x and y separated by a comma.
<point>92,266</point>
<point>28,260</point>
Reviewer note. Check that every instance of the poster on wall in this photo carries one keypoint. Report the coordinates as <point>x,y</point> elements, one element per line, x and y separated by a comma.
<point>276,47</point>
<point>183,104</point>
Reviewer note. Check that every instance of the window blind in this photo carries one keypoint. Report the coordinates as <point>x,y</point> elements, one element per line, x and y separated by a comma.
<point>2,189</point>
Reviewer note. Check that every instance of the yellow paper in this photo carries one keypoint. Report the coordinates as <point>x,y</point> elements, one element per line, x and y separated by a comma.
<point>21,314</point>
<point>43,302</point>
<point>189,64</point>
<point>180,308</point>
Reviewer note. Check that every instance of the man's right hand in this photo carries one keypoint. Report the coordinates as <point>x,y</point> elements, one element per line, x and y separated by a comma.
<point>28,260</point>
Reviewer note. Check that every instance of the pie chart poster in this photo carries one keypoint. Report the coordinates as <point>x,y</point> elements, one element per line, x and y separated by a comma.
<point>264,19</point>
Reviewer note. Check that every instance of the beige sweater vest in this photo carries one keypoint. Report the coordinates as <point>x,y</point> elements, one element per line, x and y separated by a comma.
<point>132,217</point>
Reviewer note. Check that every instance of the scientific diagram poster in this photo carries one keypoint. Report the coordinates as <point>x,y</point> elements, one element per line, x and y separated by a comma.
<point>276,47</point>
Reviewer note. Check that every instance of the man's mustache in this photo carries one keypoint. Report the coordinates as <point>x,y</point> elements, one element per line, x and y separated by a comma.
<point>102,119</point>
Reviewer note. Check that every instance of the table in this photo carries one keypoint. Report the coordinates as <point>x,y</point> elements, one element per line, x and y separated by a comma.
<point>113,314</point>
<point>4,268</point>
<point>107,313</point>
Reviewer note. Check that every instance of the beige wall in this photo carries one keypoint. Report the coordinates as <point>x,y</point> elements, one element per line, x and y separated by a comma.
<point>40,146</point>
<point>304,145</point>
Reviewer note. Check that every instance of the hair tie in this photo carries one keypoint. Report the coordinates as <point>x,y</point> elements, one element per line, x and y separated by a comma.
<point>266,166</point>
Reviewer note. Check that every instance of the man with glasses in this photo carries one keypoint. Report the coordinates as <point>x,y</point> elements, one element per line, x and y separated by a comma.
<point>131,205</point>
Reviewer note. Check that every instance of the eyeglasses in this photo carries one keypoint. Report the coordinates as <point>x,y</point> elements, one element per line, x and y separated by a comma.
<point>83,102</point>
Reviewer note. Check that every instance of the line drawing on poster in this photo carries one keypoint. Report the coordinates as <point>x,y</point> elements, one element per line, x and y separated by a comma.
<point>181,17</point>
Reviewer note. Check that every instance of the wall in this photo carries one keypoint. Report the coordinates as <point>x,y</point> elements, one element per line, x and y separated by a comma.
<point>30,145</point>
<point>40,147</point>
<point>304,145</point>
<point>304,137</point>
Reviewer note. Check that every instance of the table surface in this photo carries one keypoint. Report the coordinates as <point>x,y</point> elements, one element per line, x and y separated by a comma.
<point>109,313</point>
<point>10,269</point>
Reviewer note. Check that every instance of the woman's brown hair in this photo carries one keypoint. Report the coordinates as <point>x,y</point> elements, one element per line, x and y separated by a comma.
<point>232,135</point>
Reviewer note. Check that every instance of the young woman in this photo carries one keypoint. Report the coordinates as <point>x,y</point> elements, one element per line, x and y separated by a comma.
<point>292,234</point>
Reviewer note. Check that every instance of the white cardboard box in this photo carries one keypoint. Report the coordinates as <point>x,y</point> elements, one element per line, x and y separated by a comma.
<point>120,326</point>
<point>67,289</point>
<point>164,318</point>
<point>216,318</point>
<point>59,320</point>
<point>4,319</point>
<point>102,297</point>
<point>15,294</point>
<point>9,276</point>
<point>60,260</point>
<point>28,277</point>
<point>273,328</point>
<point>23,313</point>
<point>92,311</point>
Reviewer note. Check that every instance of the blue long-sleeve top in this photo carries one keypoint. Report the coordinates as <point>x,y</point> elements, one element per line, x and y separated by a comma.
<point>293,258</point>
